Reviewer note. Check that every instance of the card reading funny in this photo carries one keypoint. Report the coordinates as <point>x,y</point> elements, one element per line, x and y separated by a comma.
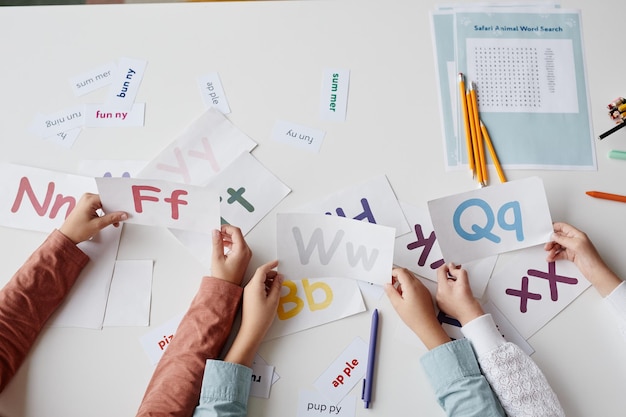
<point>103,115</point>
<point>491,220</point>
<point>302,137</point>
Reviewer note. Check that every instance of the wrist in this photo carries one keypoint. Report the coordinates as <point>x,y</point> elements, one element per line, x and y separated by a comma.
<point>242,351</point>
<point>432,334</point>
<point>604,281</point>
<point>471,312</point>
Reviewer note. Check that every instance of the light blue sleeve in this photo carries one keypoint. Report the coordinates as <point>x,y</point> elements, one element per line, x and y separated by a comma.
<point>460,387</point>
<point>225,390</point>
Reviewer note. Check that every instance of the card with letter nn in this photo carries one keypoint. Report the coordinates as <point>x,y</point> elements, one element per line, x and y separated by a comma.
<point>491,220</point>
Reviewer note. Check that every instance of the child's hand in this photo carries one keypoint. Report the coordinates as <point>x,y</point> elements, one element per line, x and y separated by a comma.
<point>574,245</point>
<point>454,294</point>
<point>83,222</point>
<point>231,266</point>
<point>414,304</point>
<point>260,301</point>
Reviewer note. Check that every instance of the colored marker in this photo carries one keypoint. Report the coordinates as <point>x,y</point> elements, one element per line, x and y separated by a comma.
<point>607,196</point>
<point>368,382</point>
<point>617,155</point>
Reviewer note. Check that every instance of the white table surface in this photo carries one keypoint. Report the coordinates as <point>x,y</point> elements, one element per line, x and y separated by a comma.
<point>270,56</point>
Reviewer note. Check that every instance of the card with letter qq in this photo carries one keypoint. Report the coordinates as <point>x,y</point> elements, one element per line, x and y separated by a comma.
<point>491,220</point>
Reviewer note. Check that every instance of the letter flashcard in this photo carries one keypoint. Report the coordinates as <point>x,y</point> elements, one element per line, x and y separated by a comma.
<point>372,201</point>
<point>161,203</point>
<point>491,220</point>
<point>316,245</point>
<point>419,252</point>
<point>312,302</point>
<point>206,147</point>
<point>38,199</point>
<point>248,191</point>
<point>529,291</point>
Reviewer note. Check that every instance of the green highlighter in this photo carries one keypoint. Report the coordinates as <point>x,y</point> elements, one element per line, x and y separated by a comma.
<point>617,154</point>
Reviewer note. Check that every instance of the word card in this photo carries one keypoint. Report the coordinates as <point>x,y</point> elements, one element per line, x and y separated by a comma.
<point>312,403</point>
<point>530,291</point>
<point>299,136</point>
<point>161,203</point>
<point>206,147</point>
<point>213,93</point>
<point>66,138</point>
<point>130,294</point>
<point>52,124</point>
<point>334,94</point>
<point>312,302</point>
<point>38,199</point>
<point>259,359</point>
<point>261,380</point>
<point>125,84</point>
<point>248,191</point>
<point>491,220</point>
<point>419,252</point>
<point>85,305</point>
<point>372,200</point>
<point>157,340</point>
<point>93,79</point>
<point>105,115</point>
<point>344,373</point>
<point>316,245</point>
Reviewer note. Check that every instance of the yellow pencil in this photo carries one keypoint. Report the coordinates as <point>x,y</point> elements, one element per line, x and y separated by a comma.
<point>482,165</point>
<point>473,130</point>
<point>468,133</point>
<point>492,152</point>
